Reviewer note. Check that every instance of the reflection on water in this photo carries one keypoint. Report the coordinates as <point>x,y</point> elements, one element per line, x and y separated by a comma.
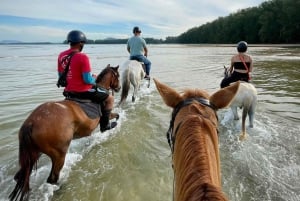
<point>132,162</point>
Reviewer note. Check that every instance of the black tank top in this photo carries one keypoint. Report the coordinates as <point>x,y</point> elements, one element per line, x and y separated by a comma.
<point>240,65</point>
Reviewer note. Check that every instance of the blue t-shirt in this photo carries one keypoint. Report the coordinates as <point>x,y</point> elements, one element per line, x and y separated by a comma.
<point>136,45</point>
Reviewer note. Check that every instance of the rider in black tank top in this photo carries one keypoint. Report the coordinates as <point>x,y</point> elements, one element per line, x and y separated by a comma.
<point>241,66</point>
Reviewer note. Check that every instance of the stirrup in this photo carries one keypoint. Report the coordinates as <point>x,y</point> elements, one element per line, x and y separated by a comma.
<point>109,126</point>
<point>147,77</point>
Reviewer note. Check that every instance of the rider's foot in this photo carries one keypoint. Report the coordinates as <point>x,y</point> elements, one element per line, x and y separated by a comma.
<point>147,77</point>
<point>114,115</point>
<point>109,126</point>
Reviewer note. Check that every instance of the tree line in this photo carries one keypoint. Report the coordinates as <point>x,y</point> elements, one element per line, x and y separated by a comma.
<point>276,21</point>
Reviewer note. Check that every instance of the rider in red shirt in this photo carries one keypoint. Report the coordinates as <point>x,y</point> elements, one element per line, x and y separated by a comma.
<point>81,82</point>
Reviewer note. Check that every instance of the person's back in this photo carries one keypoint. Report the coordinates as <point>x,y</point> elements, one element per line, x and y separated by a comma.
<point>137,45</point>
<point>79,65</point>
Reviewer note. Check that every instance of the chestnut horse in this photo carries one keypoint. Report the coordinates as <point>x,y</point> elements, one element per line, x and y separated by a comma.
<point>193,138</point>
<point>50,128</point>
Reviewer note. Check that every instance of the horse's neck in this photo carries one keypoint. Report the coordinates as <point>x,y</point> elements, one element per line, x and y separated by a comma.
<point>104,83</point>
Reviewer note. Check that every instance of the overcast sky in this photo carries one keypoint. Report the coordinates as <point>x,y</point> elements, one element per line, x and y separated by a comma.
<point>51,20</point>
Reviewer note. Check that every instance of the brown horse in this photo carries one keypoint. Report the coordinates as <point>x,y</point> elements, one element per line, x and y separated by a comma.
<point>193,138</point>
<point>50,128</point>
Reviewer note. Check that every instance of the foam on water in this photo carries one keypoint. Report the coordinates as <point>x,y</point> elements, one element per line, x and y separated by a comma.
<point>262,164</point>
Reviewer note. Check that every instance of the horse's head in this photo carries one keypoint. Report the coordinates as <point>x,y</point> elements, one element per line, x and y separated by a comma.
<point>193,139</point>
<point>109,78</point>
<point>226,72</point>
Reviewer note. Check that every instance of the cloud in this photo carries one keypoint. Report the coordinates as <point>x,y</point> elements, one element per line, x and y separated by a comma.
<point>51,20</point>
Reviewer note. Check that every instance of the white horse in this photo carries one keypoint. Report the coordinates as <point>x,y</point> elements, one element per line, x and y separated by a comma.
<point>246,99</point>
<point>132,72</point>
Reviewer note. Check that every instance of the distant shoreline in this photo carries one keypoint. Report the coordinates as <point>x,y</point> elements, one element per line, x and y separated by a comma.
<point>203,45</point>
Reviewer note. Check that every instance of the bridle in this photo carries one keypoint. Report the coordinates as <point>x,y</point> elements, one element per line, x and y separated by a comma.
<point>115,76</point>
<point>171,133</point>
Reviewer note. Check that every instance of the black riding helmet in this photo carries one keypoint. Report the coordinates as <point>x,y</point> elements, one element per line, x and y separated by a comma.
<point>76,36</point>
<point>242,46</point>
<point>136,30</point>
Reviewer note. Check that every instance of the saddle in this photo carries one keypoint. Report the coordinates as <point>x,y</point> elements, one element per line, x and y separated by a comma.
<point>142,63</point>
<point>91,109</point>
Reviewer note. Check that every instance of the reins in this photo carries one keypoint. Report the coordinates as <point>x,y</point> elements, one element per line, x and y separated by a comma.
<point>114,75</point>
<point>171,136</point>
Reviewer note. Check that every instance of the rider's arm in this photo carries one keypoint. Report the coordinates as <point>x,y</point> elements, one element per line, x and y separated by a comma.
<point>128,48</point>
<point>251,65</point>
<point>145,51</point>
<point>88,78</point>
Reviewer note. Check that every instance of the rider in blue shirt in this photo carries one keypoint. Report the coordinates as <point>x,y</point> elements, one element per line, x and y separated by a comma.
<point>138,50</point>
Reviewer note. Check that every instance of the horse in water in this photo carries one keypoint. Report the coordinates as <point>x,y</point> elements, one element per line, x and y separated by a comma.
<point>246,99</point>
<point>133,73</point>
<point>49,129</point>
<point>193,138</point>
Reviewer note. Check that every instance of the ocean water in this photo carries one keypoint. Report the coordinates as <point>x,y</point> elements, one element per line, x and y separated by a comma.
<point>133,161</point>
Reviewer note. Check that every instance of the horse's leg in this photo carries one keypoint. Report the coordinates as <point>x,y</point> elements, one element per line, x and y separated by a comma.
<point>235,113</point>
<point>135,89</point>
<point>244,116</point>
<point>58,160</point>
<point>251,113</point>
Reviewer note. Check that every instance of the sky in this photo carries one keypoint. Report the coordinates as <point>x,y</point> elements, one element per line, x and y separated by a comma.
<point>51,20</point>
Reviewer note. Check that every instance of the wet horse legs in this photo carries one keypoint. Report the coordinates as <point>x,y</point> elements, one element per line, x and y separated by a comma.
<point>57,163</point>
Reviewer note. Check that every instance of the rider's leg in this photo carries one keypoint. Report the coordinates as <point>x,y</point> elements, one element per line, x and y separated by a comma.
<point>147,64</point>
<point>104,120</point>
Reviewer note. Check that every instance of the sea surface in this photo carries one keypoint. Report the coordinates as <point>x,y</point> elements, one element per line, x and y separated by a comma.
<point>133,161</point>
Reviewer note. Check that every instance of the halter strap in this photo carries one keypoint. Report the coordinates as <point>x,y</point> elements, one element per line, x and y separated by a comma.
<point>170,135</point>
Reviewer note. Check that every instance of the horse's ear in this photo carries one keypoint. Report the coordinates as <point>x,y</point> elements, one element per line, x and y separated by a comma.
<point>169,95</point>
<point>117,67</point>
<point>224,96</point>
<point>108,65</point>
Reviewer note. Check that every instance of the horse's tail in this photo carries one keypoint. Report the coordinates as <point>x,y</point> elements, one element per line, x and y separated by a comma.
<point>125,85</point>
<point>28,156</point>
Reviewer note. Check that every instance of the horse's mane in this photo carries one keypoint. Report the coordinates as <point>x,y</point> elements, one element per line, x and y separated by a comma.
<point>191,152</point>
<point>103,72</point>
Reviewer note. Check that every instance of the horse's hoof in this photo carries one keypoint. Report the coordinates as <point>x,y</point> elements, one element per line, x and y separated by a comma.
<point>133,99</point>
<point>243,137</point>
<point>251,125</point>
<point>52,181</point>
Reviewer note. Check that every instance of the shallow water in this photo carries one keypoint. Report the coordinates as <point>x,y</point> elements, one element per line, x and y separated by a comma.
<point>132,162</point>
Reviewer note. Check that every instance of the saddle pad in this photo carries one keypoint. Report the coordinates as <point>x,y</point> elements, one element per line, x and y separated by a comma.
<point>92,110</point>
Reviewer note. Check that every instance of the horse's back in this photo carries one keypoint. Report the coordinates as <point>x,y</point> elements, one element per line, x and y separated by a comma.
<point>57,120</point>
<point>246,93</point>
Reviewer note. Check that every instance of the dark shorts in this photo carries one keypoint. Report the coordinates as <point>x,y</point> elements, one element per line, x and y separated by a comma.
<point>235,76</point>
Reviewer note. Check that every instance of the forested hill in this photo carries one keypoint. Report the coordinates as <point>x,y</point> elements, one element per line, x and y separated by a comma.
<point>275,21</point>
